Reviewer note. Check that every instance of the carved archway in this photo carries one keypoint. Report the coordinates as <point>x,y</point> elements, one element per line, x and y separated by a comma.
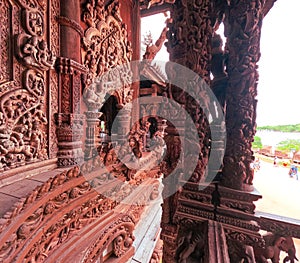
<point>105,46</point>
<point>109,112</point>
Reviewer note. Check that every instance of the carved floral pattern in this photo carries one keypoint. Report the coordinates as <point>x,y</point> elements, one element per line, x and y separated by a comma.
<point>21,118</point>
<point>5,52</point>
<point>53,84</point>
<point>105,46</point>
<point>64,205</point>
<point>23,136</point>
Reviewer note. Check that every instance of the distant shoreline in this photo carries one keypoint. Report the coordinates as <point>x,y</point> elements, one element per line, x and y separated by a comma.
<point>281,128</point>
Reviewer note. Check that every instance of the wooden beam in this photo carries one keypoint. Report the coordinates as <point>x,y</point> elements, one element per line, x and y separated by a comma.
<point>155,10</point>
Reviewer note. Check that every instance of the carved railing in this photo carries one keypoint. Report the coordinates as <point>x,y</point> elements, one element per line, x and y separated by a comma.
<point>74,203</point>
<point>232,217</point>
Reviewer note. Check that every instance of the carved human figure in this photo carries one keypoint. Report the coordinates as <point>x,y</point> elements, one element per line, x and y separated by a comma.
<point>30,51</point>
<point>45,56</point>
<point>88,14</point>
<point>12,144</point>
<point>36,23</point>
<point>36,139</point>
<point>100,11</point>
<point>115,11</point>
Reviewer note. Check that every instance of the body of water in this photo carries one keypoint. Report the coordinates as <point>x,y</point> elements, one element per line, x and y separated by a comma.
<point>272,138</point>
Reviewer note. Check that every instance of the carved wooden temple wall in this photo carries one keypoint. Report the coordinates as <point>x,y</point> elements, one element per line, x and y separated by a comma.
<point>69,193</point>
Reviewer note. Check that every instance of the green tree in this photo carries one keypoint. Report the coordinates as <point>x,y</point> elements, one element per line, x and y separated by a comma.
<point>288,145</point>
<point>257,144</point>
<point>281,128</point>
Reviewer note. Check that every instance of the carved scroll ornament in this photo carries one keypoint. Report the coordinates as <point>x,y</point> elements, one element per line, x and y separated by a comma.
<point>105,46</point>
<point>21,118</point>
<point>146,4</point>
<point>22,115</point>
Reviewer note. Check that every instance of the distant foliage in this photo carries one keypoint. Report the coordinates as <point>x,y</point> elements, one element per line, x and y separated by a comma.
<point>257,144</point>
<point>288,145</point>
<point>281,128</point>
<point>147,39</point>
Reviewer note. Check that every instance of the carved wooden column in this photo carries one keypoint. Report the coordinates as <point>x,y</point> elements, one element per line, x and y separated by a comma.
<point>188,43</point>
<point>122,125</point>
<point>92,119</point>
<point>242,28</point>
<point>69,120</point>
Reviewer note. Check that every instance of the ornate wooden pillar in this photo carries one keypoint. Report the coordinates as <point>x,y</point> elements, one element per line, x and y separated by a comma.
<point>243,22</point>
<point>69,120</point>
<point>188,43</point>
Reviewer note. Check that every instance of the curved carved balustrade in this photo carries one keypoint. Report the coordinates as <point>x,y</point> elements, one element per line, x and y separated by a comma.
<point>81,201</point>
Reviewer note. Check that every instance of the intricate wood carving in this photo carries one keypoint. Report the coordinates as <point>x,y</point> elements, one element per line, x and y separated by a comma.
<point>279,225</point>
<point>157,253</point>
<point>189,38</point>
<point>240,252</point>
<point>146,4</point>
<point>53,80</point>
<point>70,71</point>
<point>105,46</point>
<point>24,135</point>
<point>6,54</point>
<point>242,29</point>
<point>274,245</point>
<point>191,245</point>
<point>34,52</point>
<point>106,52</point>
<point>118,233</point>
<point>64,205</point>
<point>69,133</point>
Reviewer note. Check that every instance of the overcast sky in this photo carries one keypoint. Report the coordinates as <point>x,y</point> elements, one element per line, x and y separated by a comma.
<point>279,70</point>
<point>279,88</point>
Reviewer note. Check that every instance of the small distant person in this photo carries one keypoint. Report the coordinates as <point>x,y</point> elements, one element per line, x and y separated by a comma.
<point>296,172</point>
<point>293,172</point>
<point>275,161</point>
<point>257,164</point>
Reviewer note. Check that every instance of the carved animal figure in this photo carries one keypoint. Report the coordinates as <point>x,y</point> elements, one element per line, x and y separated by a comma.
<point>275,244</point>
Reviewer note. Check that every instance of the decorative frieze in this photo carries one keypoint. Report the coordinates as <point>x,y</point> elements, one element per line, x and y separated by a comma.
<point>24,88</point>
